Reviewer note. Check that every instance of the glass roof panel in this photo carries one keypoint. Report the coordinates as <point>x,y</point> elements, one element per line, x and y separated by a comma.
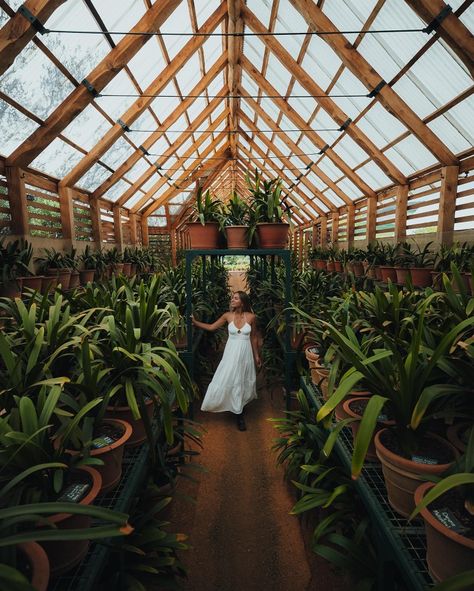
<point>326,165</point>
<point>289,20</point>
<point>178,22</point>
<point>165,104</point>
<point>87,128</point>
<point>117,154</point>
<point>348,16</point>
<point>351,190</point>
<point>123,17</point>
<point>117,191</point>
<point>150,182</point>
<point>147,63</point>
<point>321,61</point>
<point>115,106</point>
<point>137,170</point>
<point>15,128</point>
<point>380,126</point>
<point>254,49</point>
<point>261,9</point>
<point>450,136</point>
<point>94,177</point>
<point>350,152</point>
<point>189,74</point>
<point>467,17</point>
<point>279,75</point>
<point>410,155</point>
<point>58,159</point>
<point>373,176</point>
<point>204,10</point>
<point>35,82</point>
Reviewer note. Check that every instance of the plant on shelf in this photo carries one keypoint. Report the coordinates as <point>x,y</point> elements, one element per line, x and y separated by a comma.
<point>268,211</point>
<point>205,232</point>
<point>415,262</point>
<point>15,257</point>
<point>54,265</point>
<point>236,220</point>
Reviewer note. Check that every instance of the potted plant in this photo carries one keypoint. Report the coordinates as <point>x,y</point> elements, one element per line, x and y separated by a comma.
<point>72,261</point>
<point>319,258</point>
<point>236,221</point>
<point>268,211</point>
<point>89,264</point>
<point>13,257</point>
<point>54,265</point>
<point>416,263</point>
<point>204,234</point>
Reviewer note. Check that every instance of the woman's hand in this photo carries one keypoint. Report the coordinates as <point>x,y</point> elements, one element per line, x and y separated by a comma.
<point>193,320</point>
<point>258,361</point>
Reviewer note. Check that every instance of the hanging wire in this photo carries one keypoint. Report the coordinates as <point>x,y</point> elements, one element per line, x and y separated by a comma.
<point>237,159</point>
<point>232,96</point>
<point>237,131</point>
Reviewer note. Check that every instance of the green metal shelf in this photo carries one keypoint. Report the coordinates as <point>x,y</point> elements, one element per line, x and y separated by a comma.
<point>402,544</point>
<point>85,576</point>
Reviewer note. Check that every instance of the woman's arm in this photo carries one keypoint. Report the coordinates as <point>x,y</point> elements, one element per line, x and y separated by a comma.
<point>254,341</point>
<point>211,327</point>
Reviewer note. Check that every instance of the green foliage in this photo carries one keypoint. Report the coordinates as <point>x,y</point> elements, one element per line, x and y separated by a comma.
<point>208,209</point>
<point>236,211</point>
<point>268,204</point>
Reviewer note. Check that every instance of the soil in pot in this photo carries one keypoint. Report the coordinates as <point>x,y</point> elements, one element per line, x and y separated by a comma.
<point>449,534</point>
<point>402,474</point>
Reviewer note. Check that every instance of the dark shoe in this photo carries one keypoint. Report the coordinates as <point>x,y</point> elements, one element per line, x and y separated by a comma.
<point>241,423</point>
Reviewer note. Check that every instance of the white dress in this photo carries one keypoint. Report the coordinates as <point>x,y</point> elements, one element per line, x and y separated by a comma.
<point>234,383</point>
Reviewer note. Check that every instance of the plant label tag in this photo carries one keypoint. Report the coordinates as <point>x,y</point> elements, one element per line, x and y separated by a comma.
<point>102,442</point>
<point>74,492</point>
<point>449,520</point>
<point>423,460</point>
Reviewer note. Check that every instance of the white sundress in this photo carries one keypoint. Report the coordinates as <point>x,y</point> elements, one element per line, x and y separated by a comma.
<point>234,383</point>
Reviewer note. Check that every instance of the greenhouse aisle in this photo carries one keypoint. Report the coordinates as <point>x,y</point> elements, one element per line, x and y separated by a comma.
<point>240,530</point>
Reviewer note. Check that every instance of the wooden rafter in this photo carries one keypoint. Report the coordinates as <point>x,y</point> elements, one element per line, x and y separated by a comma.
<point>98,79</point>
<point>133,112</point>
<point>333,110</point>
<point>358,65</point>
<point>18,31</point>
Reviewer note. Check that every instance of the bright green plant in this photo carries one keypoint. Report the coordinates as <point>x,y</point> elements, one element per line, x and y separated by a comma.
<point>207,208</point>
<point>236,211</point>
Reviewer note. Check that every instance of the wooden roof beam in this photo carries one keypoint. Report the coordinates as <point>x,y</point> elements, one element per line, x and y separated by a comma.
<point>133,112</point>
<point>387,97</point>
<point>298,121</point>
<point>147,175</point>
<point>172,118</point>
<point>18,31</point>
<point>181,161</point>
<point>451,30</point>
<point>333,110</point>
<point>297,150</point>
<point>234,70</point>
<point>98,79</point>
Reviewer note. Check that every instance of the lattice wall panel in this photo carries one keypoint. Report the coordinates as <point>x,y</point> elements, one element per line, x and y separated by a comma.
<point>82,219</point>
<point>422,209</point>
<point>126,234</point>
<point>107,223</point>
<point>43,212</point>
<point>342,231</point>
<point>360,222</point>
<point>5,217</point>
<point>385,217</point>
<point>464,216</point>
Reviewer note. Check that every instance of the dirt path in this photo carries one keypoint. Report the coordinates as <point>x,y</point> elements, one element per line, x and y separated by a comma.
<point>242,535</point>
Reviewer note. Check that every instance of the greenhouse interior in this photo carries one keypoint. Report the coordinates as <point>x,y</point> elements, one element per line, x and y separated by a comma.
<point>236,295</point>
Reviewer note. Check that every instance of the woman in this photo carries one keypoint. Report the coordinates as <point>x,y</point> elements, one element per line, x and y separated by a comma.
<point>234,383</point>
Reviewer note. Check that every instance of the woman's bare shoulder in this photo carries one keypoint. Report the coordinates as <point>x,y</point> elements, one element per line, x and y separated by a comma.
<point>251,317</point>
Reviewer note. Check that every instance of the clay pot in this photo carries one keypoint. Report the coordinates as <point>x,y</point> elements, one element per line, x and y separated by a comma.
<point>86,276</point>
<point>10,289</point>
<point>338,266</point>
<point>467,277</point>
<point>350,413</point>
<point>311,355</point>
<point>39,564</point>
<point>117,268</point>
<point>320,265</point>
<point>127,269</point>
<point>32,282</point>
<point>204,237</point>
<point>124,413</point>
<point>64,554</point>
<point>49,283</point>
<point>339,411</point>
<point>330,266</point>
<point>402,275</point>
<point>237,237</point>
<point>388,273</point>
<point>74,281</point>
<point>273,235</point>
<point>447,552</point>
<point>64,278</point>
<point>378,273</point>
<point>403,476</point>
<point>420,276</point>
<point>358,268</point>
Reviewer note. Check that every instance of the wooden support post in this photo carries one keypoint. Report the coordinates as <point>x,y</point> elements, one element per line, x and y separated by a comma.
<point>145,237</point>
<point>133,228</point>
<point>324,231</point>
<point>447,204</point>
<point>371,219</point>
<point>96,221</point>
<point>335,228</point>
<point>401,213</point>
<point>118,232</point>
<point>350,225</point>
<point>314,237</point>
<point>173,246</point>
<point>67,212</point>
<point>17,199</point>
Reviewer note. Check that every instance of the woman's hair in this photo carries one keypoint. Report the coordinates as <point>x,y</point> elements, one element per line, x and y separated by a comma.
<point>244,298</point>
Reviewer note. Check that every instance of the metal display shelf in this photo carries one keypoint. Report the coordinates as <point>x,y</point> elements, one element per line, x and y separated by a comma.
<point>260,253</point>
<point>401,544</point>
<point>85,576</point>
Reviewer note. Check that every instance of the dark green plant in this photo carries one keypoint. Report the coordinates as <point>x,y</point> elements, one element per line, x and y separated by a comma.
<point>208,209</point>
<point>15,257</point>
<point>236,211</point>
<point>267,204</point>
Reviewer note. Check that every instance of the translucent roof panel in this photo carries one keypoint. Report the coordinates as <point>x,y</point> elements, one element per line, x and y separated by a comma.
<point>94,177</point>
<point>15,127</point>
<point>410,155</point>
<point>348,16</point>
<point>147,63</point>
<point>116,106</point>
<point>289,20</point>
<point>380,126</point>
<point>123,17</point>
<point>179,22</point>
<point>58,159</point>
<point>115,192</point>
<point>119,152</point>
<point>262,10</point>
<point>87,128</point>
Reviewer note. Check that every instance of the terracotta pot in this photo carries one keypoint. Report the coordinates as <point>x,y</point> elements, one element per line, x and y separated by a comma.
<point>127,269</point>
<point>447,552</point>
<point>124,413</point>
<point>339,411</point>
<point>338,266</point>
<point>86,276</point>
<point>133,269</point>
<point>10,289</point>
<point>370,272</point>
<point>31,282</point>
<point>273,235</point>
<point>388,273</point>
<point>39,564</point>
<point>403,275</point>
<point>117,268</point>
<point>49,283</point>
<point>64,554</point>
<point>237,237</point>
<point>403,476</point>
<point>330,266</point>
<point>64,278</point>
<point>320,265</point>
<point>74,281</point>
<point>454,433</point>
<point>358,268</point>
<point>204,237</point>
<point>378,273</point>
<point>420,276</point>
<point>349,412</point>
<point>311,354</point>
